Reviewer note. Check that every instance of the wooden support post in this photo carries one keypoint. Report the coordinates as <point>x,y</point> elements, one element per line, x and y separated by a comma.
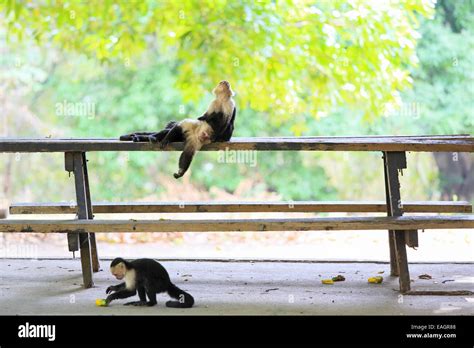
<point>393,162</point>
<point>83,213</point>
<point>90,216</point>
<point>72,238</point>
<point>391,234</point>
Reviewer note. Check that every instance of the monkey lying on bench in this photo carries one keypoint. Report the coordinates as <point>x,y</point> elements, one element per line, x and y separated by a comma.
<point>147,277</point>
<point>216,124</point>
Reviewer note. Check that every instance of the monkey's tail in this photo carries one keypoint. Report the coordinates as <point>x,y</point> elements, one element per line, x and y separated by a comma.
<point>185,300</point>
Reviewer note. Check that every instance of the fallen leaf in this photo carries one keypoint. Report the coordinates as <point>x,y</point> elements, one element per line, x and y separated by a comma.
<point>338,278</point>
<point>424,276</point>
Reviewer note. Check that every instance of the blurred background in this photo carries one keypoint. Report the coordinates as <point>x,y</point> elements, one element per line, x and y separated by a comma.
<point>99,69</point>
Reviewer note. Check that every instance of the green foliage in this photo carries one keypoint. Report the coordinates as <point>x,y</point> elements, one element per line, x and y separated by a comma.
<point>291,66</point>
<point>444,87</point>
<point>287,57</point>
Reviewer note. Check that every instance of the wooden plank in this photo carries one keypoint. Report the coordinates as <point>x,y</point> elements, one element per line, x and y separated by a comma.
<point>296,224</point>
<point>440,292</point>
<point>260,144</point>
<point>243,207</point>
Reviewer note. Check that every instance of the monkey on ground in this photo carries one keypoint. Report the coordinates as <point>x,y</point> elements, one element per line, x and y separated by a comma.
<point>216,124</point>
<point>147,277</point>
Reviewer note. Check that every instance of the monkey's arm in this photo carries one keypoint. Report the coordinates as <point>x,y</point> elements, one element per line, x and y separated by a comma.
<point>226,134</point>
<point>185,160</point>
<point>112,288</point>
<point>123,293</point>
<point>205,117</point>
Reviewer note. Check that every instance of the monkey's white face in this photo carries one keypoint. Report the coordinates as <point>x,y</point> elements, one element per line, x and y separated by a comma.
<point>223,88</point>
<point>118,271</point>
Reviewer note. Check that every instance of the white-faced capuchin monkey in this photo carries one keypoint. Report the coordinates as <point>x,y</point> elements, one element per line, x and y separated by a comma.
<point>147,277</point>
<point>216,124</point>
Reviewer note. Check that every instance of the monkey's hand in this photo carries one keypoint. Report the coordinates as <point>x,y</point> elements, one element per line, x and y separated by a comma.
<point>109,299</point>
<point>111,289</point>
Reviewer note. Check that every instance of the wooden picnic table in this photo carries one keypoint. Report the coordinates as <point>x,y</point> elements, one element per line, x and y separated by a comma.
<point>367,143</point>
<point>393,148</point>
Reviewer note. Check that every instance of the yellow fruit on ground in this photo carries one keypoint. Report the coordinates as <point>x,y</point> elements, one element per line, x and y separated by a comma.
<point>100,302</point>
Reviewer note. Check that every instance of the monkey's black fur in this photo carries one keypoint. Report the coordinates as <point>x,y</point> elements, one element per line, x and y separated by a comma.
<point>151,278</point>
<point>216,124</point>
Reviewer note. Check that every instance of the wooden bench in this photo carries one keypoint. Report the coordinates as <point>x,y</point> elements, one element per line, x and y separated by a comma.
<point>402,229</point>
<point>242,207</point>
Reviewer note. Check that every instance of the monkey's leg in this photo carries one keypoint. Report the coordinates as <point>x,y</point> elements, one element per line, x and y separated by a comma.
<point>185,161</point>
<point>142,138</point>
<point>142,295</point>
<point>136,137</point>
<point>158,137</point>
<point>174,134</point>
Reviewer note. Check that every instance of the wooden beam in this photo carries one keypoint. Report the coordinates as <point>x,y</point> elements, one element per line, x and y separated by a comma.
<point>243,207</point>
<point>440,292</point>
<point>296,224</point>
<point>423,144</point>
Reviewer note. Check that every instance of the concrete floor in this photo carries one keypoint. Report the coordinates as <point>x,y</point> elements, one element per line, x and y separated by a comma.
<point>240,288</point>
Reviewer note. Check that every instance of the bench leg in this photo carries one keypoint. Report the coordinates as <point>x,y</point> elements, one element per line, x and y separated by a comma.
<point>393,254</point>
<point>72,238</point>
<point>94,254</point>
<point>83,213</point>
<point>393,162</point>
<point>391,234</point>
<point>404,274</point>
